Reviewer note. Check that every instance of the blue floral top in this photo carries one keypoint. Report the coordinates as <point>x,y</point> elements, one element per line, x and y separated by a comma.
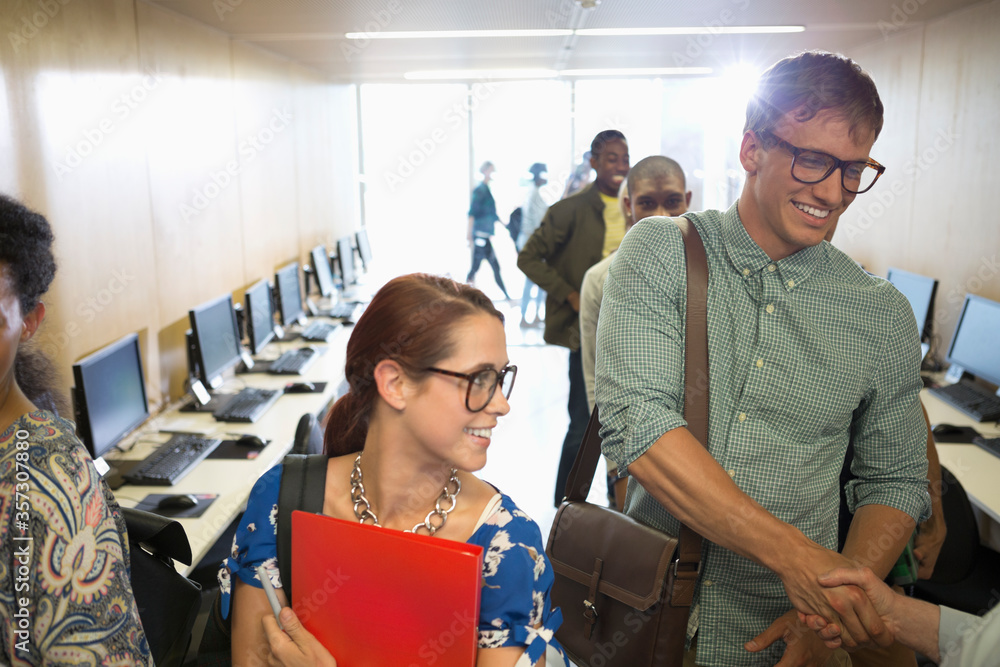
<point>517,576</point>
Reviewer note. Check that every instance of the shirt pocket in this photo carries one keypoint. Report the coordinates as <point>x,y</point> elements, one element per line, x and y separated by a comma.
<point>820,397</point>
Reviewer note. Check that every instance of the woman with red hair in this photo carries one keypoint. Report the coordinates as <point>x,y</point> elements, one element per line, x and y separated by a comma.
<point>429,379</point>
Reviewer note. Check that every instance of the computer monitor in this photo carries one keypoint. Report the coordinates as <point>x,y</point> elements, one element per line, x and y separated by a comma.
<point>364,249</point>
<point>259,315</point>
<point>216,339</point>
<point>110,395</point>
<point>322,271</point>
<point>289,294</point>
<point>974,345</point>
<point>345,259</point>
<point>919,291</point>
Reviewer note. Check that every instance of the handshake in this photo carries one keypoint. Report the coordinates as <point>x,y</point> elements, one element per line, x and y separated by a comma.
<point>936,632</point>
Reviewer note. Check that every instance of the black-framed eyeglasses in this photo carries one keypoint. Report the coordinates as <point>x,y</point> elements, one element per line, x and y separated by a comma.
<point>856,176</point>
<point>483,384</point>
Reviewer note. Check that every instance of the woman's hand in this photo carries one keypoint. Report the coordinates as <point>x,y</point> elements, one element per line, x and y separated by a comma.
<point>294,646</point>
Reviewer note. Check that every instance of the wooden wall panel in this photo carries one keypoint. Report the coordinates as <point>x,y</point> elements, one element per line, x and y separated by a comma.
<point>265,130</point>
<point>956,154</point>
<point>116,116</point>
<point>883,217</point>
<point>932,211</point>
<point>194,198</point>
<point>78,105</point>
<point>345,131</point>
<point>319,185</point>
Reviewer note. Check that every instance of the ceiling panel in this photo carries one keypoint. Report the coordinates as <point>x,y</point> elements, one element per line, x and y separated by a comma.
<point>312,31</point>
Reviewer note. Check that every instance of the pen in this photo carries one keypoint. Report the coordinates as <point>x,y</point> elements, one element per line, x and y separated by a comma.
<point>272,597</point>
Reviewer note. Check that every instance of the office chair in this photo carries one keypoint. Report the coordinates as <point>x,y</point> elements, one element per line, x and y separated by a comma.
<point>967,574</point>
<point>308,436</point>
<point>168,601</point>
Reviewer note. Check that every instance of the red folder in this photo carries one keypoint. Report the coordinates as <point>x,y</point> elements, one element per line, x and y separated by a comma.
<point>376,597</point>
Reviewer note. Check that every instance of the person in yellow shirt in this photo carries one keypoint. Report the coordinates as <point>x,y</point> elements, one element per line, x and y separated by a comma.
<point>573,237</point>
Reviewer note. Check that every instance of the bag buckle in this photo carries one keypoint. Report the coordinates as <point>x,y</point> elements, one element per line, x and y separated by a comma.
<point>697,570</point>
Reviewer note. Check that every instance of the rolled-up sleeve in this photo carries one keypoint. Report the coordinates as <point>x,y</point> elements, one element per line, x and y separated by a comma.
<point>640,342</point>
<point>888,431</point>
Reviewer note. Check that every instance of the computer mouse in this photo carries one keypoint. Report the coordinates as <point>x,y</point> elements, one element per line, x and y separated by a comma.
<point>251,440</point>
<point>299,388</point>
<point>946,429</point>
<point>180,501</point>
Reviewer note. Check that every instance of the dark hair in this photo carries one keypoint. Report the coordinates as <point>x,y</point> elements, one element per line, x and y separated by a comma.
<point>603,139</point>
<point>27,264</point>
<point>654,166</point>
<point>37,378</point>
<point>26,250</point>
<point>409,321</point>
<point>813,81</point>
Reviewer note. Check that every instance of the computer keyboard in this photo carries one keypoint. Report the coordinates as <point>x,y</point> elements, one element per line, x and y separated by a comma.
<point>293,362</point>
<point>320,331</point>
<point>248,405</point>
<point>992,445</point>
<point>343,310</point>
<point>970,399</point>
<point>172,460</point>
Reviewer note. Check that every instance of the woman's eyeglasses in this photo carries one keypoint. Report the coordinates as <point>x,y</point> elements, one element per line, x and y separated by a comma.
<point>483,384</point>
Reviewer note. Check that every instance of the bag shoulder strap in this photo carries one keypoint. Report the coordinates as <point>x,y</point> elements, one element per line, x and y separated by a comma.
<point>696,387</point>
<point>303,482</point>
<point>695,381</point>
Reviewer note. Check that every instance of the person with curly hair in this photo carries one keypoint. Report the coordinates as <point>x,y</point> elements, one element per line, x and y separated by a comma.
<point>65,594</point>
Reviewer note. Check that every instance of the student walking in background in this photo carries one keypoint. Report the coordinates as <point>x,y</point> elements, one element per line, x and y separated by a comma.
<point>531,216</point>
<point>482,217</point>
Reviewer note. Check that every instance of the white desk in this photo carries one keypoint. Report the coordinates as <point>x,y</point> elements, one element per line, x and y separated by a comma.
<point>976,469</point>
<point>230,478</point>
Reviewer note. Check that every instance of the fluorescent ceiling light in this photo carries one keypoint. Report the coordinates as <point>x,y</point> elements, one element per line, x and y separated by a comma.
<point>430,75</point>
<point>636,71</point>
<point>444,34</point>
<point>585,32</point>
<point>484,74</point>
<point>690,30</point>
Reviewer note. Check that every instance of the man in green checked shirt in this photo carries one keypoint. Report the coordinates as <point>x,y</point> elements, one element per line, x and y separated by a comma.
<point>806,352</point>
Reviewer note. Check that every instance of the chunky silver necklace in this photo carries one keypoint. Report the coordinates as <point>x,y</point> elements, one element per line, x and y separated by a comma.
<point>435,519</point>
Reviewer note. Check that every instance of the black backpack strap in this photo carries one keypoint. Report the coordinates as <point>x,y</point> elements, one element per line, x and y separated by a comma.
<point>303,485</point>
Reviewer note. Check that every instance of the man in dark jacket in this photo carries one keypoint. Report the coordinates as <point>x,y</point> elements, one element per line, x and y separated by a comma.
<point>575,234</point>
<point>482,216</point>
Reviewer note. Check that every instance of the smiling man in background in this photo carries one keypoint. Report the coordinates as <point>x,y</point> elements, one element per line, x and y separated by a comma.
<point>655,186</point>
<point>576,233</point>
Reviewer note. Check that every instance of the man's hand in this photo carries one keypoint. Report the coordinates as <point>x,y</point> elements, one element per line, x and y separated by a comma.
<point>881,596</point>
<point>802,647</point>
<point>846,606</point>
<point>295,646</point>
<point>927,547</point>
<point>574,300</point>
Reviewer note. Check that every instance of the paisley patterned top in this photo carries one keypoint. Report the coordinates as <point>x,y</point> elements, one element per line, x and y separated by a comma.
<point>517,576</point>
<point>65,596</point>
